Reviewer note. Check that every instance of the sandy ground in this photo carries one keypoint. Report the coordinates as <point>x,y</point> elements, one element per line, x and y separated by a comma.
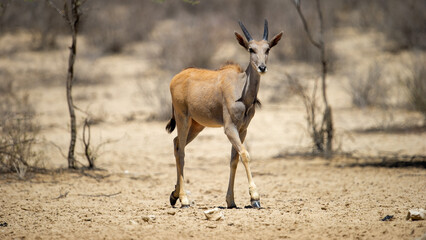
<point>129,198</point>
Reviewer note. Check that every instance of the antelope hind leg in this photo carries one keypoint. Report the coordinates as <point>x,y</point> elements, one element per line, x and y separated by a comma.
<point>183,124</point>
<point>194,130</point>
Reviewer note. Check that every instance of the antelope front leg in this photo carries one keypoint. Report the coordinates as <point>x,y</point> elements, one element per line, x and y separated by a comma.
<point>235,157</point>
<point>233,136</point>
<point>254,195</point>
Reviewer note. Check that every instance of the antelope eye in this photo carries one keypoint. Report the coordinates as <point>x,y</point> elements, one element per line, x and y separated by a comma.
<point>267,50</point>
<point>251,50</point>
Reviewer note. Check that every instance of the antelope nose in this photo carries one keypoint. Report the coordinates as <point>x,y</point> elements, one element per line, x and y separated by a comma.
<point>262,68</point>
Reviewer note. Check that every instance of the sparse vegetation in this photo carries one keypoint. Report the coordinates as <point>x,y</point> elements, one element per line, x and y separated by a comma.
<point>37,17</point>
<point>415,85</point>
<point>133,21</point>
<point>401,21</point>
<point>71,13</point>
<point>158,97</point>
<point>90,153</point>
<point>404,23</point>
<point>309,98</point>
<point>182,49</point>
<point>18,132</point>
<point>322,134</point>
<point>370,88</point>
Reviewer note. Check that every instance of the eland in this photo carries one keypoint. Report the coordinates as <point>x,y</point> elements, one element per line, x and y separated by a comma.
<point>222,98</point>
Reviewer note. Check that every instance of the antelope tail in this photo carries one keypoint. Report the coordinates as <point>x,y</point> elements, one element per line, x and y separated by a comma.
<point>172,123</point>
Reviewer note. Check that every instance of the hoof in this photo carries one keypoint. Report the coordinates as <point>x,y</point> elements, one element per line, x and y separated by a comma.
<point>255,204</point>
<point>233,206</point>
<point>184,206</point>
<point>173,199</point>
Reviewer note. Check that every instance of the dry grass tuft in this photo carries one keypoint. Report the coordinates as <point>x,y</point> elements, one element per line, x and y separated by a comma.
<point>111,25</point>
<point>369,88</point>
<point>157,96</point>
<point>18,132</point>
<point>415,84</point>
<point>186,43</point>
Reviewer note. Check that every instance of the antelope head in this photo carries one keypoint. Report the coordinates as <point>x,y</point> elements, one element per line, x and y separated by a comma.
<point>259,50</point>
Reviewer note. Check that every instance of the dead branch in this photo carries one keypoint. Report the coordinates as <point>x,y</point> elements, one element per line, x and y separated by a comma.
<point>13,144</point>
<point>97,177</point>
<point>305,24</point>
<point>325,132</point>
<point>59,149</point>
<point>63,195</point>
<point>91,153</point>
<point>3,7</point>
<point>60,12</point>
<point>71,13</point>
<point>99,195</point>
<point>86,142</point>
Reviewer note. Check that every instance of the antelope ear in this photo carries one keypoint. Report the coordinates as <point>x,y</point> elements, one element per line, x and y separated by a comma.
<point>241,40</point>
<point>275,39</point>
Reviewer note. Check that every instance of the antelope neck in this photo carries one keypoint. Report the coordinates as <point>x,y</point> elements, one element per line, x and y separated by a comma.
<point>251,86</point>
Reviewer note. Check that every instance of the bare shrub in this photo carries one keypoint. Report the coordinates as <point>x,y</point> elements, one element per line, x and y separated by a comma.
<point>157,96</point>
<point>88,76</point>
<point>316,127</point>
<point>36,17</point>
<point>92,151</point>
<point>369,88</point>
<point>415,84</point>
<point>280,92</point>
<point>322,134</point>
<point>403,22</point>
<point>297,47</point>
<point>18,132</point>
<point>114,24</point>
<point>192,45</point>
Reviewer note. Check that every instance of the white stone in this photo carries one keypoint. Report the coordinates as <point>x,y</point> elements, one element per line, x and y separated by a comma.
<point>214,214</point>
<point>416,214</point>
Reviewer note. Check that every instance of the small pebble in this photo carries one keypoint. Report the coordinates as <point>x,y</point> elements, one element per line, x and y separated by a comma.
<point>387,218</point>
<point>149,218</point>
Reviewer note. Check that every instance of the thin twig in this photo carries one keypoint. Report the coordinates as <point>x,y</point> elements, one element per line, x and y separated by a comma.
<point>86,142</point>
<point>56,8</point>
<point>109,141</point>
<point>99,195</point>
<point>63,195</point>
<point>63,14</point>
<point>20,142</point>
<point>326,127</point>
<point>81,110</point>
<point>97,177</point>
<point>59,149</point>
<point>305,25</point>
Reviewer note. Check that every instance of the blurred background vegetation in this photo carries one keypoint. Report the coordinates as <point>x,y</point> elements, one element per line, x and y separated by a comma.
<point>201,26</point>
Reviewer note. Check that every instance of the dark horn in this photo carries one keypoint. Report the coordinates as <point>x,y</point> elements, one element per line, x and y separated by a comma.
<point>265,31</point>
<point>246,33</point>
